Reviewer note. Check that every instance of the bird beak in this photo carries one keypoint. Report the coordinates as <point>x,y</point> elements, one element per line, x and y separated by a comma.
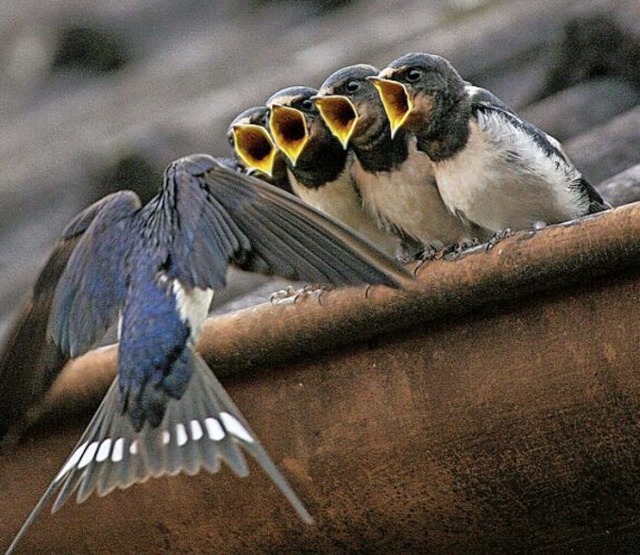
<point>340,115</point>
<point>289,129</point>
<point>396,101</point>
<point>254,147</point>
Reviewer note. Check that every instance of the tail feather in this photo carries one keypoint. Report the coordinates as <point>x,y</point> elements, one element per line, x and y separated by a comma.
<point>209,457</point>
<point>197,431</point>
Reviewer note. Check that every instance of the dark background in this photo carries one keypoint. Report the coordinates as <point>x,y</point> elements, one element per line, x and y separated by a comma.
<point>96,97</point>
<point>100,96</point>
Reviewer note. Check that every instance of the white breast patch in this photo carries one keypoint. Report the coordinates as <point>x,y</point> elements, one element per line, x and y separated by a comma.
<point>408,199</point>
<point>502,178</point>
<point>340,200</point>
<point>193,306</point>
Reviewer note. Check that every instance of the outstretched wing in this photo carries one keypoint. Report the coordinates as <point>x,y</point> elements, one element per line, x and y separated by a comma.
<point>92,287</point>
<point>199,430</point>
<point>225,216</point>
<point>30,360</point>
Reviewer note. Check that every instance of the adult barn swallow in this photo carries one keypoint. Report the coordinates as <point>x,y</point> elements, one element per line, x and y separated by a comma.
<point>492,168</point>
<point>254,148</point>
<point>156,267</point>
<point>395,179</point>
<point>318,166</point>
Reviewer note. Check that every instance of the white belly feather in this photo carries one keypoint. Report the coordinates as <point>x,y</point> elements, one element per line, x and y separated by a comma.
<point>504,179</point>
<point>408,199</point>
<point>340,200</point>
<point>193,306</point>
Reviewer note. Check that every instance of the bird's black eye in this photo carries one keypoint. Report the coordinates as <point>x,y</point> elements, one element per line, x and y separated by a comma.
<point>307,105</point>
<point>413,74</point>
<point>230,139</point>
<point>264,119</point>
<point>352,86</point>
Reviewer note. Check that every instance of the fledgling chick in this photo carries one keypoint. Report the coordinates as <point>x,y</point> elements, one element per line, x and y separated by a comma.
<point>254,149</point>
<point>154,268</point>
<point>318,166</point>
<point>395,179</point>
<point>492,168</point>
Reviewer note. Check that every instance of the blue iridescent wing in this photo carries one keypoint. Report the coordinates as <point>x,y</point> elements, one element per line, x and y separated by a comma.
<point>225,216</point>
<point>30,360</point>
<point>92,287</point>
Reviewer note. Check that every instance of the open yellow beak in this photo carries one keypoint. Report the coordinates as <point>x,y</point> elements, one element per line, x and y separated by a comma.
<point>289,130</point>
<point>396,101</point>
<point>254,147</point>
<point>340,115</point>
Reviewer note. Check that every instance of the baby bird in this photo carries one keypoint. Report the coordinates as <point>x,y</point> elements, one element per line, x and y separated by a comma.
<point>254,149</point>
<point>395,179</point>
<point>492,168</point>
<point>318,166</point>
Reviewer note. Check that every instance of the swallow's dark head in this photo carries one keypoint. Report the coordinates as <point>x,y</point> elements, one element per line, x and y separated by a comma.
<point>249,137</point>
<point>295,97</point>
<point>256,115</point>
<point>417,89</point>
<point>295,121</point>
<point>351,106</point>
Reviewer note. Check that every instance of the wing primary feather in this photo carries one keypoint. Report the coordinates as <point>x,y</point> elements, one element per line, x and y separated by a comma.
<point>316,255</point>
<point>389,271</point>
<point>90,291</point>
<point>322,248</point>
<point>230,217</point>
<point>285,253</point>
<point>227,186</point>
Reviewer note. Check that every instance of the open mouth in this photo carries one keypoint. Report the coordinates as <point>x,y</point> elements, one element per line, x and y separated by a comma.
<point>340,115</point>
<point>289,130</point>
<point>396,101</point>
<point>254,147</point>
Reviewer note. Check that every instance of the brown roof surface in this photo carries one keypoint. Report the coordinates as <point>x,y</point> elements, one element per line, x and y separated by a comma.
<point>492,406</point>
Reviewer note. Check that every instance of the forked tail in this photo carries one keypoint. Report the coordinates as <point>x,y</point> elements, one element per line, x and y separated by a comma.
<point>199,430</point>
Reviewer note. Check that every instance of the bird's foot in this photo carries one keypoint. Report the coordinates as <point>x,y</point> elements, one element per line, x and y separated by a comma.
<point>435,254</point>
<point>426,255</point>
<point>458,248</point>
<point>429,253</point>
<point>284,296</point>
<point>497,237</point>
<point>289,295</point>
<point>408,251</point>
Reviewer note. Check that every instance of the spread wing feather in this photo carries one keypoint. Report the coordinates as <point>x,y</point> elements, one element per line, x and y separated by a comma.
<point>235,218</point>
<point>92,288</point>
<point>30,360</point>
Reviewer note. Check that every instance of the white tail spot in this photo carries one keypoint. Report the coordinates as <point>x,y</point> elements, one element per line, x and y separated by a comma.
<point>215,431</point>
<point>103,451</point>
<point>118,450</point>
<point>73,460</point>
<point>181,435</point>
<point>88,454</point>
<point>133,448</point>
<point>232,424</point>
<point>196,430</point>
<point>166,437</point>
